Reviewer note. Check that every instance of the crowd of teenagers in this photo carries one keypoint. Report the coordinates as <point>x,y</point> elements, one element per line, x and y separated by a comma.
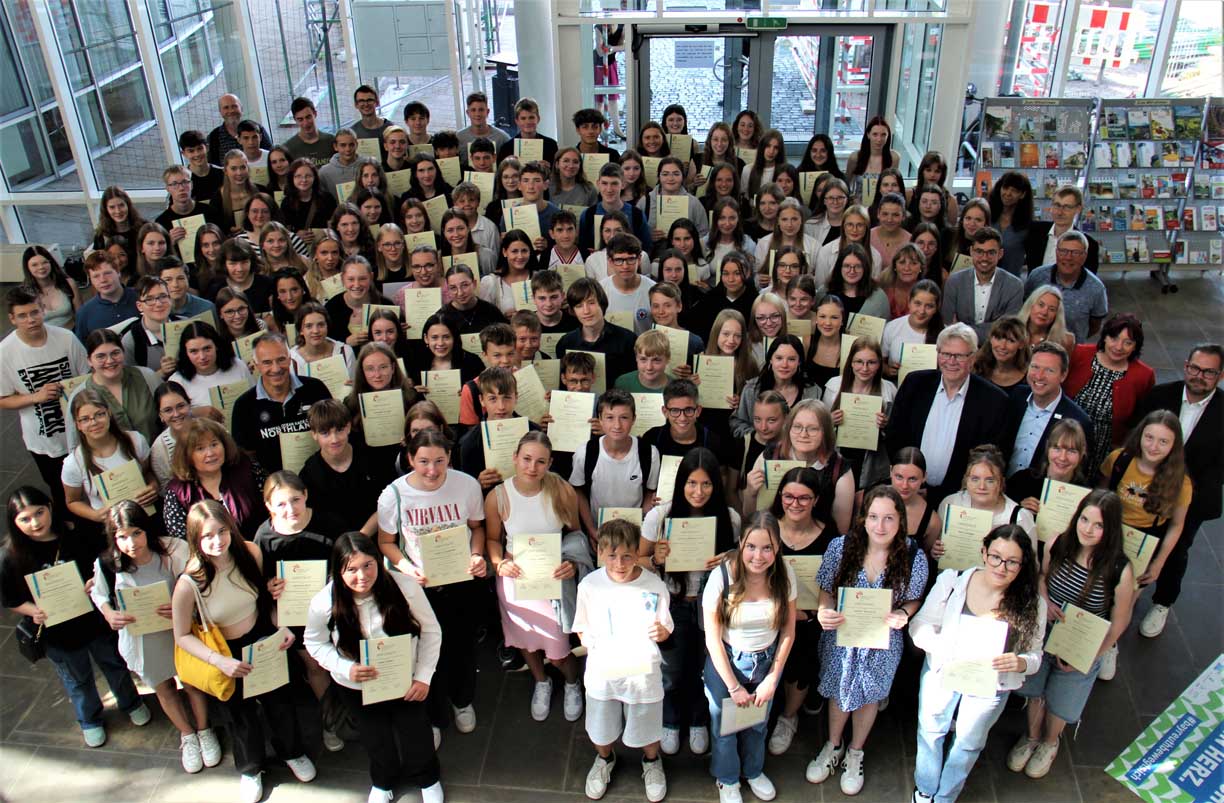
<point>198,377</point>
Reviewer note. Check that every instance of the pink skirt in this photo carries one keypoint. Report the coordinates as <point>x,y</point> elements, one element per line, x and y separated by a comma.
<point>530,624</point>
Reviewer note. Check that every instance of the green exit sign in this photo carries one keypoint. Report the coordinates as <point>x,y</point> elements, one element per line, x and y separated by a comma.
<point>765,23</point>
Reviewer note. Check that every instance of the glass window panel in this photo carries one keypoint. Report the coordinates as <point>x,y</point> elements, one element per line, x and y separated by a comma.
<point>796,71</point>
<point>197,108</point>
<point>1111,48</point>
<point>920,47</point>
<point>103,20</point>
<point>114,56</point>
<point>53,122</point>
<point>852,87</point>
<point>195,57</point>
<point>27,48</point>
<point>1029,47</point>
<point>162,29</point>
<point>172,69</point>
<point>1196,65</point>
<point>91,118</point>
<point>66,225</point>
<point>127,102</point>
<point>13,96</point>
<point>828,5</point>
<point>693,72</point>
<point>21,153</point>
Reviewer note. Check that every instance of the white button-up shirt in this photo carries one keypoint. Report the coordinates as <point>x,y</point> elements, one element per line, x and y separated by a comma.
<point>981,296</point>
<point>1191,412</point>
<point>939,434</point>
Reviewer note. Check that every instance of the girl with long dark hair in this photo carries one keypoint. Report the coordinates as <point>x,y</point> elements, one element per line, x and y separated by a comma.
<point>60,297</point>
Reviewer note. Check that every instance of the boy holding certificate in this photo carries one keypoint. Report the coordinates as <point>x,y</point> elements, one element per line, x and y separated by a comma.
<point>499,346</point>
<point>526,120</point>
<point>617,469</point>
<point>589,303</point>
<point>498,396</point>
<point>621,614</point>
<point>628,290</point>
<point>652,353</point>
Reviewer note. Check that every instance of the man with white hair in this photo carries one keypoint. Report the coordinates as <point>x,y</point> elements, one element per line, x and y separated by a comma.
<point>224,138</point>
<point>948,411</point>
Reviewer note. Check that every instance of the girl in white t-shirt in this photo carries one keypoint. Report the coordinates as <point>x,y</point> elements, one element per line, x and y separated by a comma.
<point>923,323</point>
<point>426,503</point>
<point>749,605</point>
<point>205,361</point>
<point>103,446</point>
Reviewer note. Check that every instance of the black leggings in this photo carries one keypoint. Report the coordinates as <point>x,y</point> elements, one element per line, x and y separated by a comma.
<point>398,739</point>
<point>459,610</point>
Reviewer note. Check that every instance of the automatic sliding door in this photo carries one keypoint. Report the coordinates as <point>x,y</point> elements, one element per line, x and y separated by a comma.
<point>708,75</point>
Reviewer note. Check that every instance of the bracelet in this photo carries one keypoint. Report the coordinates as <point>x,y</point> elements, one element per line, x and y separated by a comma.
<point>738,686</point>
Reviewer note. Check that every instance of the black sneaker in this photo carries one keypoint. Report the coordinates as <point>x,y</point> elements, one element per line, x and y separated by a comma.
<point>511,659</point>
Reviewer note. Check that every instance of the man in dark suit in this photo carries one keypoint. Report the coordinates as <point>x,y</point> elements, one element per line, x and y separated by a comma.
<point>1042,238</point>
<point>1201,410</point>
<point>947,412</point>
<point>1035,407</point>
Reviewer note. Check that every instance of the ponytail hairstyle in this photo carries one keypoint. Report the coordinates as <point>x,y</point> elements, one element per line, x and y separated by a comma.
<point>854,552</point>
<point>392,606</point>
<point>1018,607</point>
<point>553,486</point>
<point>127,514</point>
<point>776,578</point>
<point>1165,487</point>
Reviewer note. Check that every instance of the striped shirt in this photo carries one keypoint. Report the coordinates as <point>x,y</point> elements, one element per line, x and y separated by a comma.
<point>1066,583</point>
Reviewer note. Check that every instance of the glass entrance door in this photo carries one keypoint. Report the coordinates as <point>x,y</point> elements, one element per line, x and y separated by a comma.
<point>708,75</point>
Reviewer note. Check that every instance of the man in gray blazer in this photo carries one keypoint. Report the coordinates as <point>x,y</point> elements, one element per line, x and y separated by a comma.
<point>981,296</point>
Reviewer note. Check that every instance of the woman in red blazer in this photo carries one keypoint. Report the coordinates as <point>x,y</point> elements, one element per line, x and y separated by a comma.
<point>1108,379</point>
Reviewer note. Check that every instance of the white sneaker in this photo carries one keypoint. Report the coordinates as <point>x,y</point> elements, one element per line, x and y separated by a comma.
<point>331,742</point>
<point>1109,664</point>
<point>189,744</point>
<point>670,743</point>
<point>918,797</point>
<point>656,781</point>
<point>250,788</point>
<point>210,748</point>
<point>302,768</point>
<point>465,719</point>
<point>380,795</point>
<point>573,702</point>
<point>1039,763</point>
<point>852,776</point>
<point>699,739</point>
<point>437,734</point>
<point>783,734</point>
<point>432,794</point>
<point>541,700</point>
<point>600,776</point>
<point>729,793</point>
<point>1153,623</point>
<point>1020,753</point>
<point>826,761</point>
<point>762,787</point>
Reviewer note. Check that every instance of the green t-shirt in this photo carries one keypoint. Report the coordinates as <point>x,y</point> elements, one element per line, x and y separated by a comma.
<point>632,383</point>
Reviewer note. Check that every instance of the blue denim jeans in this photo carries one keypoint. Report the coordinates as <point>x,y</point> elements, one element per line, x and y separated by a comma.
<point>77,675</point>
<point>683,704</point>
<point>740,754</point>
<point>935,775</point>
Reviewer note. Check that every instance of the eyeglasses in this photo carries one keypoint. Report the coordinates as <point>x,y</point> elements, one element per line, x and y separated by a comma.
<point>995,561</point>
<point>814,429</point>
<point>109,356</point>
<point>834,198</point>
<point>1070,252</point>
<point>96,418</point>
<point>622,262</point>
<point>984,252</point>
<point>772,317</point>
<point>391,244</point>
<point>865,363</point>
<point>681,412</point>
<point>157,299</point>
<point>235,313</point>
<point>951,356</point>
<point>1207,373</point>
<point>791,499</point>
<point>174,185</point>
<point>989,482</point>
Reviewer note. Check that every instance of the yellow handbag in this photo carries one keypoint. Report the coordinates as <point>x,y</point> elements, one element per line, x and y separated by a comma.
<point>201,674</point>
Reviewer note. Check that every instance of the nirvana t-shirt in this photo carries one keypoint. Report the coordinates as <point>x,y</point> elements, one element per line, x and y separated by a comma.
<point>412,513</point>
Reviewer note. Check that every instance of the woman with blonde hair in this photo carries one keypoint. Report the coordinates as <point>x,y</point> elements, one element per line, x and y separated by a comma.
<point>984,487</point>
<point>235,189</point>
<point>1043,316</point>
<point>326,256</point>
<point>276,249</point>
<point>390,255</point>
<point>765,323</point>
<point>855,228</point>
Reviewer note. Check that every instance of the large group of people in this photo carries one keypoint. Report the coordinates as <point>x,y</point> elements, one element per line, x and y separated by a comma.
<point>211,405</point>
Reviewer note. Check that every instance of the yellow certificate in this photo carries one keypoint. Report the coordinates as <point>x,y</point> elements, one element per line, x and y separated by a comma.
<point>979,640</point>
<point>633,515</point>
<point>369,147</point>
<point>681,146</point>
<point>650,170</point>
<point>332,286</point>
<point>861,325</point>
<point>444,388</point>
<point>258,175</point>
<point>522,295</point>
<point>598,232</point>
<point>805,568</point>
<point>423,148</point>
<point>691,542</point>
<point>962,262</point>
<point>621,318</point>
<point>774,470</point>
<point>470,259</point>
<point>677,343</point>
<point>499,440</point>
<point>592,163</point>
<point>59,593</point>
<point>859,429</point>
<point>344,189</point>
<point>244,347</point>
<point>601,368</point>
<point>570,274</point>
<point>867,189</point>
<point>303,579</point>
<point>570,428</point>
<point>483,182</point>
<point>395,659</point>
<point>368,310</point>
<point>435,208</point>
<point>452,172</point>
<point>747,155</point>
<point>735,719</point>
<point>538,556</point>
<point>669,209</point>
<point>549,372</point>
<point>223,398</point>
<point>623,649</point>
<point>331,371</point>
<point>382,417</point>
<point>125,482</point>
<point>703,175</point>
<point>269,666</point>
<point>471,341</point>
<point>67,388</point>
<point>963,531</point>
<point>649,407</point>
<point>669,466</point>
<point>1058,503</point>
<point>864,609</point>
<point>548,342</point>
<point>1078,637</point>
<point>399,182</point>
<point>142,602</point>
<point>411,241</point>
<point>916,357</point>
<point>278,196</point>
<point>528,150</point>
<point>295,449</point>
<point>445,556</point>
<point>717,380</point>
<point>800,328</point>
<point>531,403</point>
<point>1139,547</point>
<point>525,218</point>
<point>847,344</point>
<point>191,224</point>
<point>419,304</point>
<point>172,332</point>
<point>807,183</point>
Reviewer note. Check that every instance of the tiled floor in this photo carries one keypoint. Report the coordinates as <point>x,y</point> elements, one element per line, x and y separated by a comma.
<point>512,758</point>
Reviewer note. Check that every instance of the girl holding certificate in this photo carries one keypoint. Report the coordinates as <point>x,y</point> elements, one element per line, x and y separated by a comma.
<point>314,344</point>
<point>766,321</point>
<point>225,576</point>
<point>457,240</point>
<point>344,311</point>
<point>764,214</point>
<point>390,257</point>
<point>433,499</point>
<point>728,338</point>
<point>138,556</point>
<point>788,263</point>
<point>783,371</point>
<point>801,295</point>
<point>128,390</point>
<point>516,265</point>
<point>324,264</point>
<point>673,269</point>
<point>305,205</point>
<point>684,237</point>
<point>635,187</point>
<point>104,445</point>
<point>988,615</point>
<point>237,319</point>
<point>907,476</point>
<point>1086,567</point>
<point>427,182</point>
<point>787,231</point>
<point>442,350</point>
<point>209,465</point>
<point>698,493</point>
<point>720,149</point>
<point>826,227</point>
<point>876,554</point>
<point>174,410</point>
<point>1065,460</point>
<point>34,545</point>
<point>385,328</point>
<point>414,217</point>
<point>863,375</point>
<point>570,186</point>
<point>852,282</point>
<point>377,370</point>
<point>277,252</point>
<point>722,184</point>
<point>205,361</point>
<point>534,500</point>
<point>749,614</point>
<point>921,326</point>
<point>983,488</point>
<point>363,601</point>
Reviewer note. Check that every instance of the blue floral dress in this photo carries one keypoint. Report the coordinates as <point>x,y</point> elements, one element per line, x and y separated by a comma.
<point>855,676</point>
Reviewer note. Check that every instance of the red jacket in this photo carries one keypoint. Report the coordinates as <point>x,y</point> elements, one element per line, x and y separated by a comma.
<point>1134,384</point>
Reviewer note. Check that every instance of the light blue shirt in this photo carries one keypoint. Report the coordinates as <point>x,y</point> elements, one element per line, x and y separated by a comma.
<point>939,434</point>
<point>1031,428</point>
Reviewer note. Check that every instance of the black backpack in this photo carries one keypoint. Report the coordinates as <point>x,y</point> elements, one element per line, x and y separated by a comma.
<point>592,457</point>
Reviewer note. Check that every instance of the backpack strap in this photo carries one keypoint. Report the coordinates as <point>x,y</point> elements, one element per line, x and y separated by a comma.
<point>108,574</point>
<point>1119,469</point>
<point>644,460</point>
<point>1015,514</point>
<point>726,578</point>
<point>588,466</point>
<point>747,450</point>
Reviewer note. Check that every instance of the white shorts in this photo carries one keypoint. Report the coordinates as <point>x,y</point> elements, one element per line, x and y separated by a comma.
<point>641,723</point>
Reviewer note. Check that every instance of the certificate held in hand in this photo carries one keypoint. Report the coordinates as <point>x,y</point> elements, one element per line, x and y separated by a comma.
<point>223,398</point>
<point>125,482</point>
<point>649,407</point>
<point>717,380</point>
<point>395,659</point>
<point>331,371</point>
<point>805,568</point>
<point>1059,501</point>
<point>419,304</point>
<point>691,543</point>
<point>774,471</point>
<point>382,417</point>
<point>669,466</point>
<point>979,640</point>
<point>570,428</point>
<point>735,719</point>
<point>525,218</point>
<point>531,404</point>
<point>499,440</point>
<point>537,556</point>
<point>59,593</point>
<point>916,357</point>
<point>1077,638</point>
<point>303,579</point>
<point>859,429</point>
<point>141,603</point>
<point>864,609</point>
<point>295,449</point>
<point>444,387</point>
<point>269,666</point>
<point>445,556</point>
<point>963,531</point>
